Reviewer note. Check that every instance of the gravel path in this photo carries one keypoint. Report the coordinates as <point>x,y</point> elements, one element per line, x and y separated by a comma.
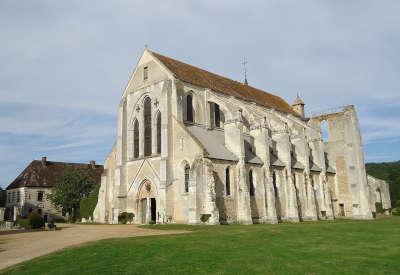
<point>19,247</point>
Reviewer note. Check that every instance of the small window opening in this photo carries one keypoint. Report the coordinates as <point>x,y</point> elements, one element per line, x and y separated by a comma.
<point>145,73</point>
<point>40,196</point>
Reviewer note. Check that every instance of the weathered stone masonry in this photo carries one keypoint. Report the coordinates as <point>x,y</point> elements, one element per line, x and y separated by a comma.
<point>190,142</point>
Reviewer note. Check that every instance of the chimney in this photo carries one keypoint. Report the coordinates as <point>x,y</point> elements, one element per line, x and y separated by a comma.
<point>44,160</point>
<point>93,164</point>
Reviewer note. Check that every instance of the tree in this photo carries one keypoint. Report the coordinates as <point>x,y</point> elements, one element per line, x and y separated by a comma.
<point>88,204</point>
<point>389,171</point>
<point>3,197</point>
<point>70,189</point>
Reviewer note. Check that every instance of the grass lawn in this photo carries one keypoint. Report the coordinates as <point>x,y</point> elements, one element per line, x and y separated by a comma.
<point>325,247</point>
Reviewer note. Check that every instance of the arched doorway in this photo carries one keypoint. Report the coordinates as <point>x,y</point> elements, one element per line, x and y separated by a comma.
<point>147,208</point>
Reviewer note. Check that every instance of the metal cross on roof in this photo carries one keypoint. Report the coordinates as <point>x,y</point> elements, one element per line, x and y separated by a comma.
<point>244,63</point>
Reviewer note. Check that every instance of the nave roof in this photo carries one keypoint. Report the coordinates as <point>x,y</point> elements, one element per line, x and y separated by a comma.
<point>205,79</point>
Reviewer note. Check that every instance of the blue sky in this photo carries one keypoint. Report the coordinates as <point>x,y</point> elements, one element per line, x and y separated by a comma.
<point>64,64</point>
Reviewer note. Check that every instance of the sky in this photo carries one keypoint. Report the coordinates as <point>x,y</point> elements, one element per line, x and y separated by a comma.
<point>64,65</point>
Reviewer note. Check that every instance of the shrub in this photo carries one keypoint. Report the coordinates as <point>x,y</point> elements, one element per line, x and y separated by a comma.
<point>396,210</point>
<point>204,217</point>
<point>379,208</point>
<point>35,220</point>
<point>24,223</point>
<point>125,217</point>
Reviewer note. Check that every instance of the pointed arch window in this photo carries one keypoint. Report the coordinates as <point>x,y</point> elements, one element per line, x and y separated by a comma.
<point>136,139</point>
<point>187,173</point>
<point>251,183</point>
<point>217,117</point>
<point>274,184</point>
<point>227,182</point>
<point>189,108</point>
<point>147,126</point>
<point>159,133</point>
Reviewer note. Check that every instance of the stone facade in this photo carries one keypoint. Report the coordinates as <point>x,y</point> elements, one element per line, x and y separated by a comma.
<point>21,201</point>
<point>29,191</point>
<point>190,143</point>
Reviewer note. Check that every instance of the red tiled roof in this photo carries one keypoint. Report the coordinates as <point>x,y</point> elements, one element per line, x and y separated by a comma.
<point>37,175</point>
<point>202,78</point>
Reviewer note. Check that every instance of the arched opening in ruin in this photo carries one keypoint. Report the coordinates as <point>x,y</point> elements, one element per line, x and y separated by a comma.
<point>325,130</point>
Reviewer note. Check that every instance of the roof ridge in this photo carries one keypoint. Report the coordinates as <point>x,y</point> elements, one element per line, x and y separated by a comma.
<point>47,176</point>
<point>222,84</point>
<point>64,162</point>
<point>207,71</point>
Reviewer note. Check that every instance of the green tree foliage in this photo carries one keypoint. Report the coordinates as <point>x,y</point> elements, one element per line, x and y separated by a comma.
<point>87,205</point>
<point>70,189</point>
<point>389,171</point>
<point>3,197</point>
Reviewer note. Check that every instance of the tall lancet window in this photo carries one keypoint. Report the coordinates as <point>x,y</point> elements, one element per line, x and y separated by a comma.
<point>136,139</point>
<point>187,171</point>
<point>217,115</point>
<point>251,184</point>
<point>274,184</point>
<point>147,126</point>
<point>159,133</point>
<point>189,108</point>
<point>227,182</point>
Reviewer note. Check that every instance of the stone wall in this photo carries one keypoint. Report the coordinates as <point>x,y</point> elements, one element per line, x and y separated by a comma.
<point>297,175</point>
<point>379,194</point>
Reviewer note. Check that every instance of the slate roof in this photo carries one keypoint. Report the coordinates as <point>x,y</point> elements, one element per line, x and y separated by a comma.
<point>330,170</point>
<point>250,157</point>
<point>276,162</point>
<point>314,167</point>
<point>213,141</point>
<point>38,175</point>
<point>297,165</point>
<point>202,78</point>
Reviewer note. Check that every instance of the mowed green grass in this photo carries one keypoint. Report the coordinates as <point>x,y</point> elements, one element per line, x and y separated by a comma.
<point>325,247</point>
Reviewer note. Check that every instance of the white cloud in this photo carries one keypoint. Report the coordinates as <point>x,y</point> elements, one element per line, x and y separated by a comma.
<point>74,56</point>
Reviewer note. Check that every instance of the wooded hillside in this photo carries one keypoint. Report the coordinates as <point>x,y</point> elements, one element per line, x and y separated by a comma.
<point>389,171</point>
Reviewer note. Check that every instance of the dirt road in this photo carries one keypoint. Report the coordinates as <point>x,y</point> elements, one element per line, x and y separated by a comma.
<point>19,247</point>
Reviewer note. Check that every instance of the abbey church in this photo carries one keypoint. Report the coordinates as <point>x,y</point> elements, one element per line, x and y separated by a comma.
<point>192,147</point>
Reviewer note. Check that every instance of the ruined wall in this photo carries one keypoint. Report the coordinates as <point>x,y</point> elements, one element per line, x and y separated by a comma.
<point>345,152</point>
<point>379,194</point>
